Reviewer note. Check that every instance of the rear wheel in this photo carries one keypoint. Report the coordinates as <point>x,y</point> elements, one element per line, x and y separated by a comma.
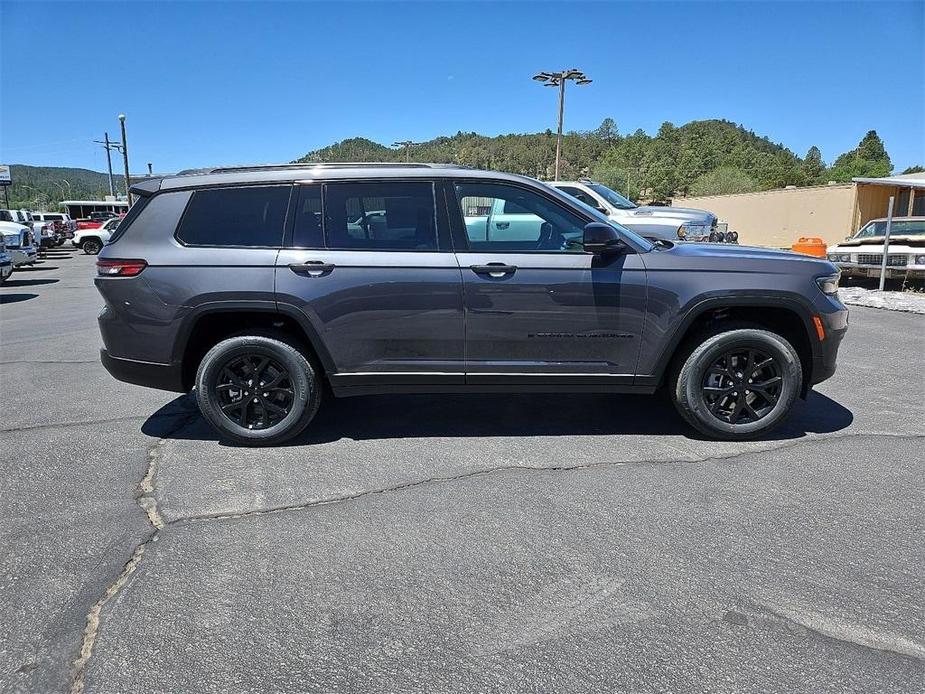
<point>738,384</point>
<point>257,390</point>
<point>92,246</point>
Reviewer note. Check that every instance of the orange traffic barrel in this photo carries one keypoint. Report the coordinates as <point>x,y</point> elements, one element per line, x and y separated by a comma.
<point>810,245</point>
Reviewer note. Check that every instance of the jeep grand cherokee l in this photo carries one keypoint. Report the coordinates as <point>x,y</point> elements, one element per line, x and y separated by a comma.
<point>264,288</point>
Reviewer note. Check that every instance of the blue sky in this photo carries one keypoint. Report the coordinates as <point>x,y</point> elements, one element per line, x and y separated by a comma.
<point>234,82</point>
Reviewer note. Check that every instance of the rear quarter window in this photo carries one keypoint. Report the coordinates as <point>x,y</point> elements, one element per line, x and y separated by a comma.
<point>133,213</point>
<point>245,216</point>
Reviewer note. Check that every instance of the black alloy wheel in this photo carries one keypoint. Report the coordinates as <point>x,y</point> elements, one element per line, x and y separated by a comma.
<point>254,391</point>
<point>742,386</point>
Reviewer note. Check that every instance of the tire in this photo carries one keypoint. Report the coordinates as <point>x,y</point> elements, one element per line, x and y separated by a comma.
<point>221,382</point>
<point>91,246</point>
<point>713,393</point>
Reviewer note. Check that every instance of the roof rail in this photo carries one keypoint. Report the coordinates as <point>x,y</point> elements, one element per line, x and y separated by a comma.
<point>321,165</point>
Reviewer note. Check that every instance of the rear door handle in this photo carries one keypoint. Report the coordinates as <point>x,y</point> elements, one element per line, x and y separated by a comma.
<point>312,268</point>
<point>494,269</point>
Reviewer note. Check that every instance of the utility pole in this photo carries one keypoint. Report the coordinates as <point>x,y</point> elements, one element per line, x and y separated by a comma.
<point>558,79</point>
<point>407,144</point>
<point>128,182</point>
<point>109,146</point>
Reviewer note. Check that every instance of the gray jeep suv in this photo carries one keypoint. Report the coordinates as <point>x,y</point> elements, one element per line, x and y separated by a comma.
<point>264,288</point>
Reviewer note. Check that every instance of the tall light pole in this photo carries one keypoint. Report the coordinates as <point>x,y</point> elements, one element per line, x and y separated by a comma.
<point>558,79</point>
<point>407,144</point>
<point>128,183</point>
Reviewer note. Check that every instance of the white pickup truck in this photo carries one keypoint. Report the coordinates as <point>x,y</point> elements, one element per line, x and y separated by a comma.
<point>670,223</point>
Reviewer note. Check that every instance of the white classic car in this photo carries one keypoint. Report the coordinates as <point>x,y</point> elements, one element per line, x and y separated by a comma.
<point>861,255</point>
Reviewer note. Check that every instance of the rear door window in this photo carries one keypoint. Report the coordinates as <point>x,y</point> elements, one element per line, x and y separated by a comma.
<point>307,227</point>
<point>394,216</point>
<point>246,216</point>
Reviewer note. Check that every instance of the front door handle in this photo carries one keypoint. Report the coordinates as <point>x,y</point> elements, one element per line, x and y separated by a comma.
<point>494,269</point>
<point>502,225</point>
<point>312,268</point>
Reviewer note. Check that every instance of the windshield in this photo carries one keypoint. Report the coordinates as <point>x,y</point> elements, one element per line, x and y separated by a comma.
<point>612,196</point>
<point>905,227</point>
<point>599,216</point>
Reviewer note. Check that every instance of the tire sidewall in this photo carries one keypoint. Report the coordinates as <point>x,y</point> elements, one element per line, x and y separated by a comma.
<point>695,370</point>
<point>301,374</point>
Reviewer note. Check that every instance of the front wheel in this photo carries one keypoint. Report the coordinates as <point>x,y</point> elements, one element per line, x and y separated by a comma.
<point>257,391</point>
<point>738,384</point>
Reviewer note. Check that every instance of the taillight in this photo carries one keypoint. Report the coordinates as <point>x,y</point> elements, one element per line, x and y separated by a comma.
<point>119,268</point>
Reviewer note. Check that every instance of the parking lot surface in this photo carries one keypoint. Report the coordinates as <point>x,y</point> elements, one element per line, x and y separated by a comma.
<point>456,543</point>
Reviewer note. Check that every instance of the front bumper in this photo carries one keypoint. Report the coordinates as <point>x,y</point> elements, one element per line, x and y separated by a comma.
<point>144,373</point>
<point>835,326</point>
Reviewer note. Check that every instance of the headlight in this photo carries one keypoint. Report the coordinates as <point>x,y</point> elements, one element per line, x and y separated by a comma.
<point>845,257</point>
<point>920,260</point>
<point>833,257</point>
<point>829,284</point>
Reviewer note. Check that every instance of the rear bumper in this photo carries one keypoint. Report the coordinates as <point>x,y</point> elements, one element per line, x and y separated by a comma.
<point>143,373</point>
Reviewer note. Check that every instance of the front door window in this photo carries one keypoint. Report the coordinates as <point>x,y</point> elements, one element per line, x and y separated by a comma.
<point>506,218</point>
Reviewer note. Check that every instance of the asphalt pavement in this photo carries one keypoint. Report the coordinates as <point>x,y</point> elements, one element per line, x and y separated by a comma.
<point>458,543</point>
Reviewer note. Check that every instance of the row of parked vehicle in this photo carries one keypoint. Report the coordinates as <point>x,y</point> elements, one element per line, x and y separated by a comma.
<point>25,234</point>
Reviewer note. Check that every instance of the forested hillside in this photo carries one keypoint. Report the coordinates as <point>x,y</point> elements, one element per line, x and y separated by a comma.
<point>701,157</point>
<point>39,187</point>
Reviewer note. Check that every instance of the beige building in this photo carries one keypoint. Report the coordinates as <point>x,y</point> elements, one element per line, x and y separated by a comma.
<point>777,218</point>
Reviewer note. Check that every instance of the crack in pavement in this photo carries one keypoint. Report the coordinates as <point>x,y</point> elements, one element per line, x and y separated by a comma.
<point>533,468</point>
<point>148,504</point>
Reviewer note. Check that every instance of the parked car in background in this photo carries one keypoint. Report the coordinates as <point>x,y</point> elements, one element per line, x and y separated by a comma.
<point>18,240</point>
<point>44,234</point>
<point>6,260</point>
<point>16,216</point>
<point>88,224</point>
<point>93,240</point>
<point>861,255</point>
<point>63,225</point>
<point>233,283</point>
<point>654,222</point>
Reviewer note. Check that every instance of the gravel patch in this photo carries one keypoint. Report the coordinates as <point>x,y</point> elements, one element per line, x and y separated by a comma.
<point>911,302</point>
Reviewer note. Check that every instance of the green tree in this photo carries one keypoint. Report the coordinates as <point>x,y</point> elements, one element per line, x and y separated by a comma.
<point>914,169</point>
<point>607,131</point>
<point>813,166</point>
<point>723,181</point>
<point>869,160</point>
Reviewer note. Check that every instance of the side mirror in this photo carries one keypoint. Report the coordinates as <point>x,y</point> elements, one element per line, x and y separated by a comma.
<point>600,238</point>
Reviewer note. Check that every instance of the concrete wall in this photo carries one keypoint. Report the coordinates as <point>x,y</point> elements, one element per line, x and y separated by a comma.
<point>777,218</point>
